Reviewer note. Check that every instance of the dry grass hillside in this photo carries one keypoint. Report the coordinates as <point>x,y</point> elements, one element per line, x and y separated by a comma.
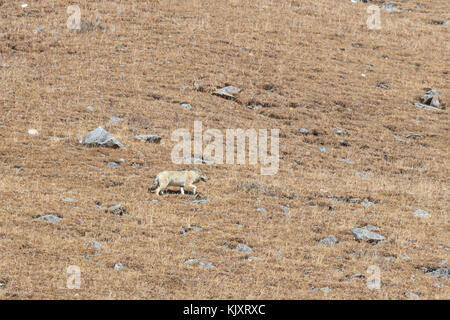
<point>306,64</point>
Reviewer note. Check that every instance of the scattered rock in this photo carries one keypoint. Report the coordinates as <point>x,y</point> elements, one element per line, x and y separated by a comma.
<point>362,175</point>
<point>50,218</point>
<point>426,107</point>
<point>339,132</point>
<point>413,135</point>
<point>112,164</point>
<point>117,209</point>
<point>149,138</point>
<point>384,84</point>
<point>188,261</point>
<point>329,240</point>
<point>187,106</point>
<point>67,199</point>
<point>190,228</point>
<point>261,209</point>
<point>90,108</point>
<point>243,248</point>
<point>227,92</point>
<point>38,29</point>
<point>389,7</point>
<point>325,290</point>
<point>115,119</point>
<point>285,210</point>
<point>404,256</point>
<point>96,245</point>
<point>366,235</point>
<point>100,138</point>
<point>322,149</point>
<point>411,295</point>
<point>206,264</point>
<point>367,203</point>
<point>431,98</point>
<point>443,273</point>
<point>33,132</point>
<point>442,262</point>
<point>305,131</point>
<point>421,213</point>
<point>118,266</point>
<point>348,161</point>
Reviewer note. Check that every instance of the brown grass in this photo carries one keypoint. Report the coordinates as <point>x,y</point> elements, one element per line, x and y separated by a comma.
<point>303,60</point>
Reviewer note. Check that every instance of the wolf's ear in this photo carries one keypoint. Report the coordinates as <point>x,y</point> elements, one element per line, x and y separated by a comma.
<point>203,177</point>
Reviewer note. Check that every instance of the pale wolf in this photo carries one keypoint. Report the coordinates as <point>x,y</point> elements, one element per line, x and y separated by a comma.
<point>182,179</point>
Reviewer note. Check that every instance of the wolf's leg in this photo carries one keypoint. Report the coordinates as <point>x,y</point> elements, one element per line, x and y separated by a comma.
<point>182,190</point>
<point>191,186</point>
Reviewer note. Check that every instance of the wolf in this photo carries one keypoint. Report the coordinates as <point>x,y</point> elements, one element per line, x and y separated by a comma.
<point>182,179</point>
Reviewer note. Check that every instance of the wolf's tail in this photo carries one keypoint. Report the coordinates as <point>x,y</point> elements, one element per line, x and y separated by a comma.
<point>154,185</point>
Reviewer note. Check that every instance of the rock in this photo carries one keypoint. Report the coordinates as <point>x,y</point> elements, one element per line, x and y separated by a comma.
<point>329,240</point>
<point>421,213</point>
<point>117,209</point>
<point>400,139</point>
<point>348,161</point>
<point>100,138</point>
<point>118,266</point>
<point>33,132</point>
<point>366,235</point>
<point>227,92</point>
<point>371,227</point>
<point>50,218</point>
<point>90,108</point>
<point>443,273</point>
<point>413,135</point>
<point>325,290</point>
<point>112,164</point>
<point>384,84</point>
<point>367,203</point>
<point>149,138</point>
<point>115,119</point>
<point>261,209</point>
<point>96,245</point>
<point>362,175</point>
<point>206,264</point>
<point>322,149</point>
<point>426,107</point>
<point>339,132</point>
<point>431,98</point>
<point>389,7</point>
<point>404,256</point>
<point>67,199</point>
<point>442,262</point>
<point>411,295</point>
<point>187,106</point>
<point>357,275</point>
<point>446,23</point>
<point>344,143</point>
<point>199,200</point>
<point>285,210</point>
<point>38,29</point>
<point>188,261</point>
<point>243,248</point>
<point>305,131</point>
<point>190,228</point>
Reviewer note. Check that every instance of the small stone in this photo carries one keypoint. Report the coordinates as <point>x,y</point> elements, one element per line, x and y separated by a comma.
<point>115,119</point>
<point>68,199</point>
<point>305,131</point>
<point>149,138</point>
<point>389,7</point>
<point>366,235</point>
<point>442,262</point>
<point>118,266</point>
<point>50,218</point>
<point>100,138</point>
<point>285,210</point>
<point>325,290</point>
<point>38,29</point>
<point>187,106</point>
<point>384,84</point>
<point>348,161</point>
<point>188,261</point>
<point>96,245</point>
<point>411,295</point>
<point>117,209</point>
<point>227,92</point>
<point>261,209</point>
<point>367,203</point>
<point>404,256</point>
<point>206,264</point>
<point>112,164</point>
<point>441,273</point>
<point>421,213</point>
<point>322,149</point>
<point>413,135</point>
<point>339,132</point>
<point>33,132</point>
<point>329,240</point>
<point>362,175</point>
<point>243,248</point>
<point>90,108</point>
